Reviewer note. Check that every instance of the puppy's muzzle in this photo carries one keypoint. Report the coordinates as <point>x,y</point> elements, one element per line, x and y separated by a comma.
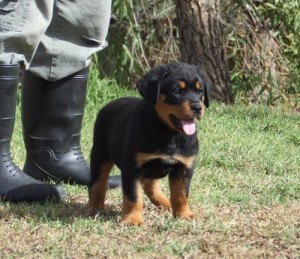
<point>196,107</point>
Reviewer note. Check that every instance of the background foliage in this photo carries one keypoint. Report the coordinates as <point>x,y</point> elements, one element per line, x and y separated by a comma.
<point>263,50</point>
<point>145,35</point>
<point>262,44</point>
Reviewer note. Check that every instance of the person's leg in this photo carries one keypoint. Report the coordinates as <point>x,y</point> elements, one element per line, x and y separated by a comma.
<point>21,25</point>
<point>54,91</point>
<point>52,114</point>
<point>15,185</point>
<point>78,29</point>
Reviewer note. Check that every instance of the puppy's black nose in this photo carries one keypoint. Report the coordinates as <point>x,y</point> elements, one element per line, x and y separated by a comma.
<point>196,108</point>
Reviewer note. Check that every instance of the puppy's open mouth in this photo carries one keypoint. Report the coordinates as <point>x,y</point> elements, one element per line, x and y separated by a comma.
<point>187,126</point>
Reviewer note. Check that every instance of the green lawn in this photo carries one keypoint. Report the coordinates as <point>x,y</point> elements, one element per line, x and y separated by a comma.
<point>245,192</point>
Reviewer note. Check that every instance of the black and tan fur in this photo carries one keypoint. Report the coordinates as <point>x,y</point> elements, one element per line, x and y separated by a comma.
<point>145,139</point>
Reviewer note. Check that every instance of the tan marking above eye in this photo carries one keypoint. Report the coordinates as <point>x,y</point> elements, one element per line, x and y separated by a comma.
<point>198,86</point>
<point>181,85</point>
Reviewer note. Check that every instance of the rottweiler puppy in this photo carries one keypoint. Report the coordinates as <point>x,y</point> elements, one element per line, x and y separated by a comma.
<point>150,138</point>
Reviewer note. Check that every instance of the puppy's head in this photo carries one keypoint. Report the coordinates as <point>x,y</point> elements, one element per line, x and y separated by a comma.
<point>178,92</point>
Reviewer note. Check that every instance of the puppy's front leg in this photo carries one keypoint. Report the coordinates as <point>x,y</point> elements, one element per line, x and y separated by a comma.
<point>153,190</point>
<point>179,183</point>
<point>132,202</point>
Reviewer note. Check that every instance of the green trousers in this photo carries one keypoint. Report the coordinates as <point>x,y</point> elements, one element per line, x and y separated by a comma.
<point>52,38</point>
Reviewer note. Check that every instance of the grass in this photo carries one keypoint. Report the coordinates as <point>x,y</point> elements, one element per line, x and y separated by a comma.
<point>245,192</point>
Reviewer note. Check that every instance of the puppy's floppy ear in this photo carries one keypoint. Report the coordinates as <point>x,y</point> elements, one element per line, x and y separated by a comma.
<point>207,85</point>
<point>149,84</point>
<point>206,99</point>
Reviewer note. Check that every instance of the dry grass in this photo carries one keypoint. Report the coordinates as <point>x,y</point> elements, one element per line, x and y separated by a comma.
<point>62,231</point>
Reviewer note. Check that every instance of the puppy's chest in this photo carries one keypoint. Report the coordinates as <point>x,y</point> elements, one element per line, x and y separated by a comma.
<point>157,165</point>
<point>159,154</point>
<point>165,159</point>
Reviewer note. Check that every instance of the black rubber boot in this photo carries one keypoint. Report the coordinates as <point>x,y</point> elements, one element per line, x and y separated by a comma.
<point>52,114</point>
<point>15,185</point>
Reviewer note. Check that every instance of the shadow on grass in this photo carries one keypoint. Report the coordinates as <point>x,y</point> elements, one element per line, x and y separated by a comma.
<point>64,212</point>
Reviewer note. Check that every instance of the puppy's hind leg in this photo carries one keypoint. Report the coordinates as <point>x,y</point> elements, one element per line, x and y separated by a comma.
<point>132,202</point>
<point>100,169</point>
<point>153,190</point>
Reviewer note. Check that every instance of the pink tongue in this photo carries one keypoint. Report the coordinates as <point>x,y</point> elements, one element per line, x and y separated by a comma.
<point>189,126</point>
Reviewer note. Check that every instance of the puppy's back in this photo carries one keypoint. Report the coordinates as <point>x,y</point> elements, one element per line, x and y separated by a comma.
<point>115,117</point>
<point>116,109</point>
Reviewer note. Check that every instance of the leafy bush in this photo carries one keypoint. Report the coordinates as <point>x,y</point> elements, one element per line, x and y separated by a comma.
<point>144,36</point>
<point>262,44</point>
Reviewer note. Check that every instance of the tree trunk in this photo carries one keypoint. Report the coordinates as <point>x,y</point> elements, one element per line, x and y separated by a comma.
<point>202,43</point>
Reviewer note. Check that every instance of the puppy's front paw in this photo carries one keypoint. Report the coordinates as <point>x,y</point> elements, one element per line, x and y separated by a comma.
<point>185,214</point>
<point>93,208</point>
<point>129,220</point>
